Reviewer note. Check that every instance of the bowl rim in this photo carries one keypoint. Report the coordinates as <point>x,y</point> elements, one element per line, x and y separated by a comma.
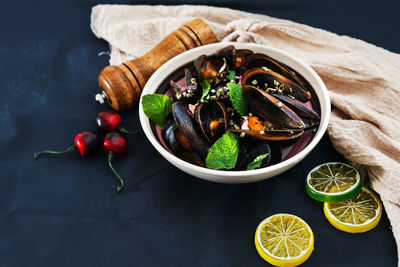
<point>170,64</point>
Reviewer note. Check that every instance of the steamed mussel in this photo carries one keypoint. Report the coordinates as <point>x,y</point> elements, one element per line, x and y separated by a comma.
<point>237,110</point>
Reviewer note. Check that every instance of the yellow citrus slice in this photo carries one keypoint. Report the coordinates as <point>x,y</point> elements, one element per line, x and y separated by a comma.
<point>356,215</point>
<point>284,240</point>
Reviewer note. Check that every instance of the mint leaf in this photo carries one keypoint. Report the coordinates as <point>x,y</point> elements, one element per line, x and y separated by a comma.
<point>156,107</point>
<point>231,75</point>
<point>224,152</point>
<point>174,126</point>
<point>236,96</point>
<point>256,163</point>
<point>206,90</point>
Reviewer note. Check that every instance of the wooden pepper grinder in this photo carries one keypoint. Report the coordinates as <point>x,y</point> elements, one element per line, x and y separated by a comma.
<point>122,85</point>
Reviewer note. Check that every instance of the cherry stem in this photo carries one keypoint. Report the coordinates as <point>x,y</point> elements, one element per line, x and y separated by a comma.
<point>123,130</point>
<point>110,157</point>
<point>36,155</point>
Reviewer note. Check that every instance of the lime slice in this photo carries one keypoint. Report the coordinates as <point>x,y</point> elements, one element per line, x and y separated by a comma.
<point>284,240</point>
<point>357,215</point>
<point>333,182</point>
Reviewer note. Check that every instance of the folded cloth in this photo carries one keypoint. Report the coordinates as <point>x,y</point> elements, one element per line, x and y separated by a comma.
<point>363,80</point>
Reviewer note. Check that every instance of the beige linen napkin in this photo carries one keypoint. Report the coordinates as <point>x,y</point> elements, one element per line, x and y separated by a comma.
<point>363,80</point>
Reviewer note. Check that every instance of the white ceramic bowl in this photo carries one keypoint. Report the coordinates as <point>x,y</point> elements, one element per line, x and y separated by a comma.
<point>237,176</point>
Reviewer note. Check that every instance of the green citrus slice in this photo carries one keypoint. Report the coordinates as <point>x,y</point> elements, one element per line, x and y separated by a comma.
<point>356,215</point>
<point>284,240</point>
<point>333,182</point>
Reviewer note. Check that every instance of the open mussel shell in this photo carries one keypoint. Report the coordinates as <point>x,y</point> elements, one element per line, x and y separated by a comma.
<point>271,109</point>
<point>260,60</point>
<point>212,119</point>
<point>210,67</point>
<point>241,57</point>
<point>249,150</point>
<point>270,135</point>
<point>188,92</point>
<point>215,66</point>
<point>178,144</point>
<point>265,79</point>
<point>229,53</point>
<point>189,129</point>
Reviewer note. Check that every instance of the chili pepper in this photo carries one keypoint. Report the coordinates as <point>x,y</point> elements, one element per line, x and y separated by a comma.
<point>109,121</point>
<point>87,143</point>
<point>115,146</point>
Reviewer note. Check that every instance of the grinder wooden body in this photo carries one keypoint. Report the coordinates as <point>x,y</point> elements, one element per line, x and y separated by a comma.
<point>122,85</point>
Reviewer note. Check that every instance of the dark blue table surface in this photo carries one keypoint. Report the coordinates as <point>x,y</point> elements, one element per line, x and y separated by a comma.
<point>64,211</point>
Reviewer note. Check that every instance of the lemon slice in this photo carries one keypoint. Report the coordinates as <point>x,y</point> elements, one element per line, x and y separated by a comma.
<point>284,240</point>
<point>333,182</point>
<point>357,215</point>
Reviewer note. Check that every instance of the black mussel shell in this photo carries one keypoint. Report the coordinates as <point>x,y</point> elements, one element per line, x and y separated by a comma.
<point>264,79</point>
<point>188,92</point>
<point>168,134</point>
<point>189,129</point>
<point>271,135</point>
<point>271,109</point>
<point>299,107</point>
<point>212,119</point>
<point>276,154</point>
<point>229,53</point>
<point>249,149</point>
<point>260,60</point>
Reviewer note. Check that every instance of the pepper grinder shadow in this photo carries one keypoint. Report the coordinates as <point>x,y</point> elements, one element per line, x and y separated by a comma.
<point>122,85</point>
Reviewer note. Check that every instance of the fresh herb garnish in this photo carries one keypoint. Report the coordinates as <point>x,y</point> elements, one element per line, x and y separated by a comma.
<point>224,152</point>
<point>231,75</point>
<point>174,126</point>
<point>157,107</point>
<point>206,90</point>
<point>256,163</point>
<point>237,99</point>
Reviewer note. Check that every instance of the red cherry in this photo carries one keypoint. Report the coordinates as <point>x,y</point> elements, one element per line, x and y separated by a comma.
<point>115,145</point>
<point>87,143</point>
<point>108,121</point>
